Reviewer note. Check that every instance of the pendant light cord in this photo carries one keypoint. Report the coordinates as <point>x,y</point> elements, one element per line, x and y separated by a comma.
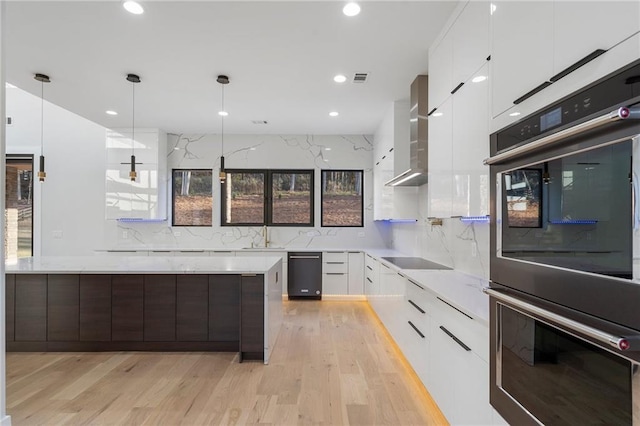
<point>222,117</point>
<point>133,116</point>
<point>42,117</point>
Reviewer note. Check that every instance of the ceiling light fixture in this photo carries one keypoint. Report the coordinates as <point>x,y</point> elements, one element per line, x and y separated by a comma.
<point>334,113</point>
<point>351,9</point>
<point>110,112</point>
<point>479,78</point>
<point>223,80</point>
<point>42,79</point>
<point>339,78</point>
<point>133,7</point>
<point>133,78</point>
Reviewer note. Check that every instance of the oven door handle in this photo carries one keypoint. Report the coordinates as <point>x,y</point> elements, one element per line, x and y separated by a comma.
<point>621,113</point>
<point>617,342</point>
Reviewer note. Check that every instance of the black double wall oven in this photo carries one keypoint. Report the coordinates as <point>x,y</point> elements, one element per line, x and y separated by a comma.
<point>565,259</point>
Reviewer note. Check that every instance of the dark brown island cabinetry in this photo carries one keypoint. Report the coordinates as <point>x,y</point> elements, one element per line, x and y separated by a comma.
<point>113,312</point>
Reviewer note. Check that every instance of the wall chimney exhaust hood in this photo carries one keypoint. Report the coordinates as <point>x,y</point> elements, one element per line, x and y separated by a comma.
<point>416,175</point>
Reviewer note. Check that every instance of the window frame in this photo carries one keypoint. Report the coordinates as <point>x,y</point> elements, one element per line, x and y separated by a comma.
<point>322,225</point>
<point>267,213</point>
<point>173,195</point>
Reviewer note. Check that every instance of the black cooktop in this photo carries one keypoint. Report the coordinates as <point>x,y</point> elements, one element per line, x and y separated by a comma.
<point>414,263</point>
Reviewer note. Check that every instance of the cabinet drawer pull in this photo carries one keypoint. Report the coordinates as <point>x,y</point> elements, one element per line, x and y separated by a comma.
<point>531,92</point>
<point>416,329</point>
<point>453,307</point>
<point>304,257</point>
<point>417,307</point>
<point>416,284</point>
<point>455,339</point>
<point>457,88</point>
<point>334,263</point>
<point>590,57</point>
<point>388,267</point>
<point>334,273</point>
<point>369,268</point>
<point>369,279</point>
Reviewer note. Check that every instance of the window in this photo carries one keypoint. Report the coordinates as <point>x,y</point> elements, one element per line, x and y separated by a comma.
<point>192,197</point>
<point>268,197</point>
<point>18,226</point>
<point>342,201</point>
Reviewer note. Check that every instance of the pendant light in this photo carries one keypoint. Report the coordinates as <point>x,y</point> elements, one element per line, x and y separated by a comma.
<point>133,78</point>
<point>223,80</point>
<point>42,79</point>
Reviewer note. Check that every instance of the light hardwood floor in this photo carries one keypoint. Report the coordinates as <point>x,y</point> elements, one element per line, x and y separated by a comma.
<point>333,364</point>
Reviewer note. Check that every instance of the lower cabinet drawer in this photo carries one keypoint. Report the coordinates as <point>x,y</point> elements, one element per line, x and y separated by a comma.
<point>335,267</point>
<point>335,283</point>
<point>462,328</point>
<point>335,256</point>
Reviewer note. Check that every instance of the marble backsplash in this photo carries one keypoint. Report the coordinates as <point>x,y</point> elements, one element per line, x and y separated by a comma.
<point>463,246</point>
<point>259,152</point>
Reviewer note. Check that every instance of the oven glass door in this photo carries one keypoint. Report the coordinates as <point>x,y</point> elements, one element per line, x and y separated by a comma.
<point>575,211</point>
<point>561,379</point>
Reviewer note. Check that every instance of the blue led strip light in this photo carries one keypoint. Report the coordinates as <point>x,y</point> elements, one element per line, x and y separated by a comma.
<point>574,222</point>
<point>139,219</point>
<point>474,219</point>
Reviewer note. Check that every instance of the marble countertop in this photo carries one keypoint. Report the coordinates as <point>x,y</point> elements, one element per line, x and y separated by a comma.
<point>143,265</point>
<point>461,290</point>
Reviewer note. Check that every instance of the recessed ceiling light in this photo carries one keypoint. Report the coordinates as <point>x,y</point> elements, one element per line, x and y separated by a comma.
<point>223,113</point>
<point>514,114</point>
<point>133,7</point>
<point>437,114</point>
<point>111,112</point>
<point>334,113</point>
<point>479,78</point>
<point>339,78</point>
<point>351,9</point>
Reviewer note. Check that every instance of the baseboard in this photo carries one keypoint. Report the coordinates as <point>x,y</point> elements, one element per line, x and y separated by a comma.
<point>338,297</point>
<point>6,421</point>
<point>345,297</point>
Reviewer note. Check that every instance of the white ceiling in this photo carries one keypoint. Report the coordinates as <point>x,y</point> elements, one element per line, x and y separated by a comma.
<point>280,57</point>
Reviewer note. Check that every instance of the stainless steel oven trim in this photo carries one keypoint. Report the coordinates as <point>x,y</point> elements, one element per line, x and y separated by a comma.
<point>610,117</point>
<point>617,342</point>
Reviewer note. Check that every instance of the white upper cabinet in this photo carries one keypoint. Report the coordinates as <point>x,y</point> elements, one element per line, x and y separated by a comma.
<point>522,50</point>
<point>582,27</point>
<point>470,45</point>
<point>440,72</point>
<point>440,161</point>
<point>534,42</point>
<point>470,180</point>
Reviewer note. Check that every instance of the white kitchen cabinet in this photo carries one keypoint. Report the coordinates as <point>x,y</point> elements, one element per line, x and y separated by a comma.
<point>371,277</point>
<point>146,197</point>
<point>440,72</point>
<point>459,368</point>
<point>383,195</point>
<point>356,273</point>
<point>470,41</point>
<point>522,49</point>
<point>440,161</point>
<point>582,27</point>
<point>335,273</point>
<point>470,144</point>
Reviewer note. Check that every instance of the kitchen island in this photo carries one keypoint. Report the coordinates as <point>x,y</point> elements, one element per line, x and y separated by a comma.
<point>100,303</point>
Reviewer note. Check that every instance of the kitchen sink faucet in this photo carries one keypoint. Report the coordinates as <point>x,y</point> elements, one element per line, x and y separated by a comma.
<point>265,236</point>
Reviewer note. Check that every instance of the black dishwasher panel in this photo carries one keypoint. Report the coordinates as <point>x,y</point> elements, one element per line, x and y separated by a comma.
<point>305,275</point>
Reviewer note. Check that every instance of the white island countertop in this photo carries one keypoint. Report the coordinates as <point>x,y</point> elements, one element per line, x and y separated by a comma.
<point>141,265</point>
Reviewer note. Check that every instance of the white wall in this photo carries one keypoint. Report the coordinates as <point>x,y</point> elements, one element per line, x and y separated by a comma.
<point>70,204</point>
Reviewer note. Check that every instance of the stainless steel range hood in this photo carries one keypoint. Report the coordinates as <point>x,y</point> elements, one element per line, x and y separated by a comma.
<point>416,175</point>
